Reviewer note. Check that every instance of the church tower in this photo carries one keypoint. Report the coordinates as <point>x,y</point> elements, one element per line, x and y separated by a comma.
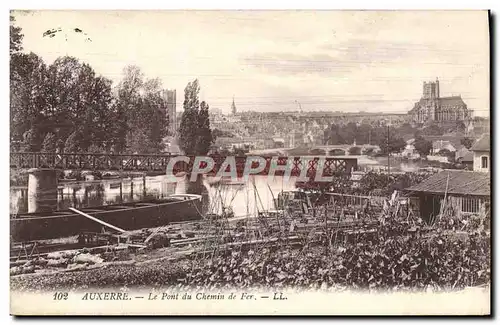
<point>233,107</point>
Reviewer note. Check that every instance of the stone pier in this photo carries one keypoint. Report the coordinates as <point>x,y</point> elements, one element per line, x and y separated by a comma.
<point>42,190</point>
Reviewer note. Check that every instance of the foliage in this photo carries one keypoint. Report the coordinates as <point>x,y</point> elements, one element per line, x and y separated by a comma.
<point>69,100</point>
<point>49,143</point>
<point>386,184</point>
<point>467,142</point>
<point>371,182</point>
<point>363,133</point>
<point>16,37</point>
<point>71,144</point>
<point>195,135</point>
<point>432,129</point>
<point>216,133</point>
<point>30,141</point>
<point>392,144</point>
<point>141,114</point>
<point>204,134</point>
<point>423,146</point>
<point>392,259</point>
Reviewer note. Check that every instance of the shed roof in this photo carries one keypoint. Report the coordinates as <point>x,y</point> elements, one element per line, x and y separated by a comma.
<point>459,182</point>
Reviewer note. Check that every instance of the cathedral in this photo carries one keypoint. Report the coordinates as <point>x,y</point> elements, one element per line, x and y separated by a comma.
<point>433,108</point>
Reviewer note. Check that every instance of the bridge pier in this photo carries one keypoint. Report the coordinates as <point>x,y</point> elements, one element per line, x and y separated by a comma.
<point>42,190</point>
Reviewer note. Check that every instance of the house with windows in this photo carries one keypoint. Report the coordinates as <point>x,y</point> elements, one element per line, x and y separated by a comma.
<point>467,192</point>
<point>481,151</point>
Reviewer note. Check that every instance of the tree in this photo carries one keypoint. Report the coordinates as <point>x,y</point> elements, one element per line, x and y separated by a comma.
<point>16,37</point>
<point>49,143</point>
<point>432,129</point>
<point>78,99</point>
<point>154,108</point>
<point>422,146</point>
<point>136,142</point>
<point>205,138</point>
<point>355,151</point>
<point>467,142</point>
<point>444,152</point>
<point>447,153</point>
<point>460,126</point>
<point>140,111</point>
<point>28,80</point>
<point>195,135</point>
<point>391,143</point>
<point>216,133</point>
<point>30,141</point>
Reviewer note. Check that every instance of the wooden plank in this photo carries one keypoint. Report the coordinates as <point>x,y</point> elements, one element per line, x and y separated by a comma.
<point>98,221</point>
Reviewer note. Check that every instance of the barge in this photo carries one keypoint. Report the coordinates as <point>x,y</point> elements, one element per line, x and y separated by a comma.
<point>129,216</point>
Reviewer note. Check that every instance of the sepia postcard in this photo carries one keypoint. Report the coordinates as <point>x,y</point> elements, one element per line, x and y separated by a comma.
<point>291,162</point>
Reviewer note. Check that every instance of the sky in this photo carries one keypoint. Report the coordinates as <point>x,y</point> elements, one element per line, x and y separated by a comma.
<point>275,60</point>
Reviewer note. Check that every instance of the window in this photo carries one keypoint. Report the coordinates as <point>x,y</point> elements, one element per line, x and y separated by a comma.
<point>484,162</point>
<point>470,205</point>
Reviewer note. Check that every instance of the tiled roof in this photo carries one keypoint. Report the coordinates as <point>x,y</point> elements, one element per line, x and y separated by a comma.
<point>459,182</point>
<point>483,144</point>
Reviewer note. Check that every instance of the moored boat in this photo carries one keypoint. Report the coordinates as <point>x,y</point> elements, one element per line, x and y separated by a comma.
<point>128,216</point>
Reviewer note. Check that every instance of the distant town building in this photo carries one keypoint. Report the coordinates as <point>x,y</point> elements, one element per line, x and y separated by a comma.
<point>170,97</point>
<point>434,108</point>
<point>439,145</point>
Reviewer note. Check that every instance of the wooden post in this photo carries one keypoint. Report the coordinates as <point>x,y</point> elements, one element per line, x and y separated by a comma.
<point>121,187</point>
<point>143,186</point>
<point>132,188</point>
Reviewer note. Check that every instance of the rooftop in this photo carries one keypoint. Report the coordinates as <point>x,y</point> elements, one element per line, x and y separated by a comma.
<point>455,182</point>
<point>451,101</point>
<point>483,144</point>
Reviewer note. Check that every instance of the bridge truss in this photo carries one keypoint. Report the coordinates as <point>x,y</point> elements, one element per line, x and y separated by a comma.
<point>159,163</point>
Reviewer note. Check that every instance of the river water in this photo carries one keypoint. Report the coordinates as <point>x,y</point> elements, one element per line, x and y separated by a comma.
<point>243,197</point>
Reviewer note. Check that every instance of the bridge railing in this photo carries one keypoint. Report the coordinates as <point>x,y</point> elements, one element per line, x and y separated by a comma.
<point>152,162</point>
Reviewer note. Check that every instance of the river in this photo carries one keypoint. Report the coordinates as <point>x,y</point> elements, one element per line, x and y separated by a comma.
<point>242,198</point>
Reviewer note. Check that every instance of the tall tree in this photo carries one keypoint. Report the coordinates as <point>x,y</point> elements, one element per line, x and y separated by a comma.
<point>154,106</point>
<point>205,138</point>
<point>189,122</point>
<point>140,113</point>
<point>28,77</point>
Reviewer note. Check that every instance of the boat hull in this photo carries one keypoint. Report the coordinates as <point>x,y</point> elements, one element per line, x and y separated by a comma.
<point>130,216</point>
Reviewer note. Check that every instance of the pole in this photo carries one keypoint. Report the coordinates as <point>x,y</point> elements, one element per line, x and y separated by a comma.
<point>132,189</point>
<point>98,220</point>
<point>388,154</point>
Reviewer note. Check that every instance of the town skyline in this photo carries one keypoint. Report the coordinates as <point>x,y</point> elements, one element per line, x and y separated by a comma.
<point>267,65</point>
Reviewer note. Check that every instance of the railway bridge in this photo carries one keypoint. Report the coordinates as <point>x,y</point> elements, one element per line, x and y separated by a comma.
<point>43,167</point>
